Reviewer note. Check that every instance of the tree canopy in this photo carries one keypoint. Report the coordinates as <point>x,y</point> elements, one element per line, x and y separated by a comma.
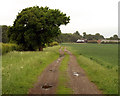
<point>36,26</point>
<point>69,37</point>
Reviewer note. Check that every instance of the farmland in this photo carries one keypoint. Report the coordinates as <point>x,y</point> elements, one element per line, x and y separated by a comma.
<point>21,69</point>
<point>42,54</point>
<point>100,61</point>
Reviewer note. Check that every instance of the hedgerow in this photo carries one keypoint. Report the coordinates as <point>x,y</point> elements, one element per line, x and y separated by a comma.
<point>7,47</point>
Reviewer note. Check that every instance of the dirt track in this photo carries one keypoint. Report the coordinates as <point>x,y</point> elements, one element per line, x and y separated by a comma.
<point>78,80</point>
<point>48,77</point>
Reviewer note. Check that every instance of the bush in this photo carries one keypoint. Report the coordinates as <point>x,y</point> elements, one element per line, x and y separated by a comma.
<point>53,43</point>
<point>7,47</point>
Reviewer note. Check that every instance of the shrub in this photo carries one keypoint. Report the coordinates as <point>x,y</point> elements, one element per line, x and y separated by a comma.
<point>7,47</point>
<point>53,43</point>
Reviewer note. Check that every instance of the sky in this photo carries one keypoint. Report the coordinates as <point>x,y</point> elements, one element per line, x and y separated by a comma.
<point>90,16</point>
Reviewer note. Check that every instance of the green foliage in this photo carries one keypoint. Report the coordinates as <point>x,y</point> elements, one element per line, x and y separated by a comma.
<point>36,26</point>
<point>115,37</point>
<point>20,70</point>
<point>100,61</point>
<point>63,87</point>
<point>4,34</point>
<point>97,36</point>
<point>7,47</point>
<point>84,35</point>
<point>53,43</point>
<point>77,33</point>
<point>68,37</point>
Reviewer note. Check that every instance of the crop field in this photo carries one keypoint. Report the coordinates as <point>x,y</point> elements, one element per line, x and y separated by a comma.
<point>100,61</point>
<point>20,70</point>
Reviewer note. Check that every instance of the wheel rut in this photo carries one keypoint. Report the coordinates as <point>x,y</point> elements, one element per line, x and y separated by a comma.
<point>48,80</point>
<point>79,81</point>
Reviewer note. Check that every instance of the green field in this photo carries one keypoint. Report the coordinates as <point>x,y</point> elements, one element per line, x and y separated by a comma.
<point>100,61</point>
<point>21,69</point>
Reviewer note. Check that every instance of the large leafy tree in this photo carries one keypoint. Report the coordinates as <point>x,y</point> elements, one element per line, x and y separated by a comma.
<point>36,26</point>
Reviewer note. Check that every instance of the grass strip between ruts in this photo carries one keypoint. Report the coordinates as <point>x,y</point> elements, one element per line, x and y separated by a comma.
<point>63,87</point>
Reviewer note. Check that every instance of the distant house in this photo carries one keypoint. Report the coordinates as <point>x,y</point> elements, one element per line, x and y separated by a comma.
<point>81,41</point>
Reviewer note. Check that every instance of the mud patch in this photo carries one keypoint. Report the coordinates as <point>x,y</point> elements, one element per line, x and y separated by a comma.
<point>46,87</point>
<point>51,70</point>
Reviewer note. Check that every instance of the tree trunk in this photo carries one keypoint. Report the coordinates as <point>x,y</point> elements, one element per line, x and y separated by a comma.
<point>40,48</point>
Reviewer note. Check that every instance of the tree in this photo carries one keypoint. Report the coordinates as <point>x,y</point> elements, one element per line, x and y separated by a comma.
<point>77,33</point>
<point>4,33</point>
<point>98,36</point>
<point>114,37</point>
<point>35,26</point>
<point>84,35</point>
<point>76,36</point>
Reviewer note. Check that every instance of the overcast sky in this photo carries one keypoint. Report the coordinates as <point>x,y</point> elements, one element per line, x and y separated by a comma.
<point>90,16</point>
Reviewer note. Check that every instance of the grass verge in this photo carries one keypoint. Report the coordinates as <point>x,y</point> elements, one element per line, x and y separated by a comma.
<point>105,79</point>
<point>63,87</point>
<point>21,69</point>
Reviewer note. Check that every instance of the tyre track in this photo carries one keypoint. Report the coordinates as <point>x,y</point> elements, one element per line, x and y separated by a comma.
<point>48,77</point>
<point>79,81</point>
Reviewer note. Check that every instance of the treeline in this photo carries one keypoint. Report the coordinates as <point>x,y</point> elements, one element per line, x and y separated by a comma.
<point>114,37</point>
<point>69,37</point>
<point>65,37</point>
